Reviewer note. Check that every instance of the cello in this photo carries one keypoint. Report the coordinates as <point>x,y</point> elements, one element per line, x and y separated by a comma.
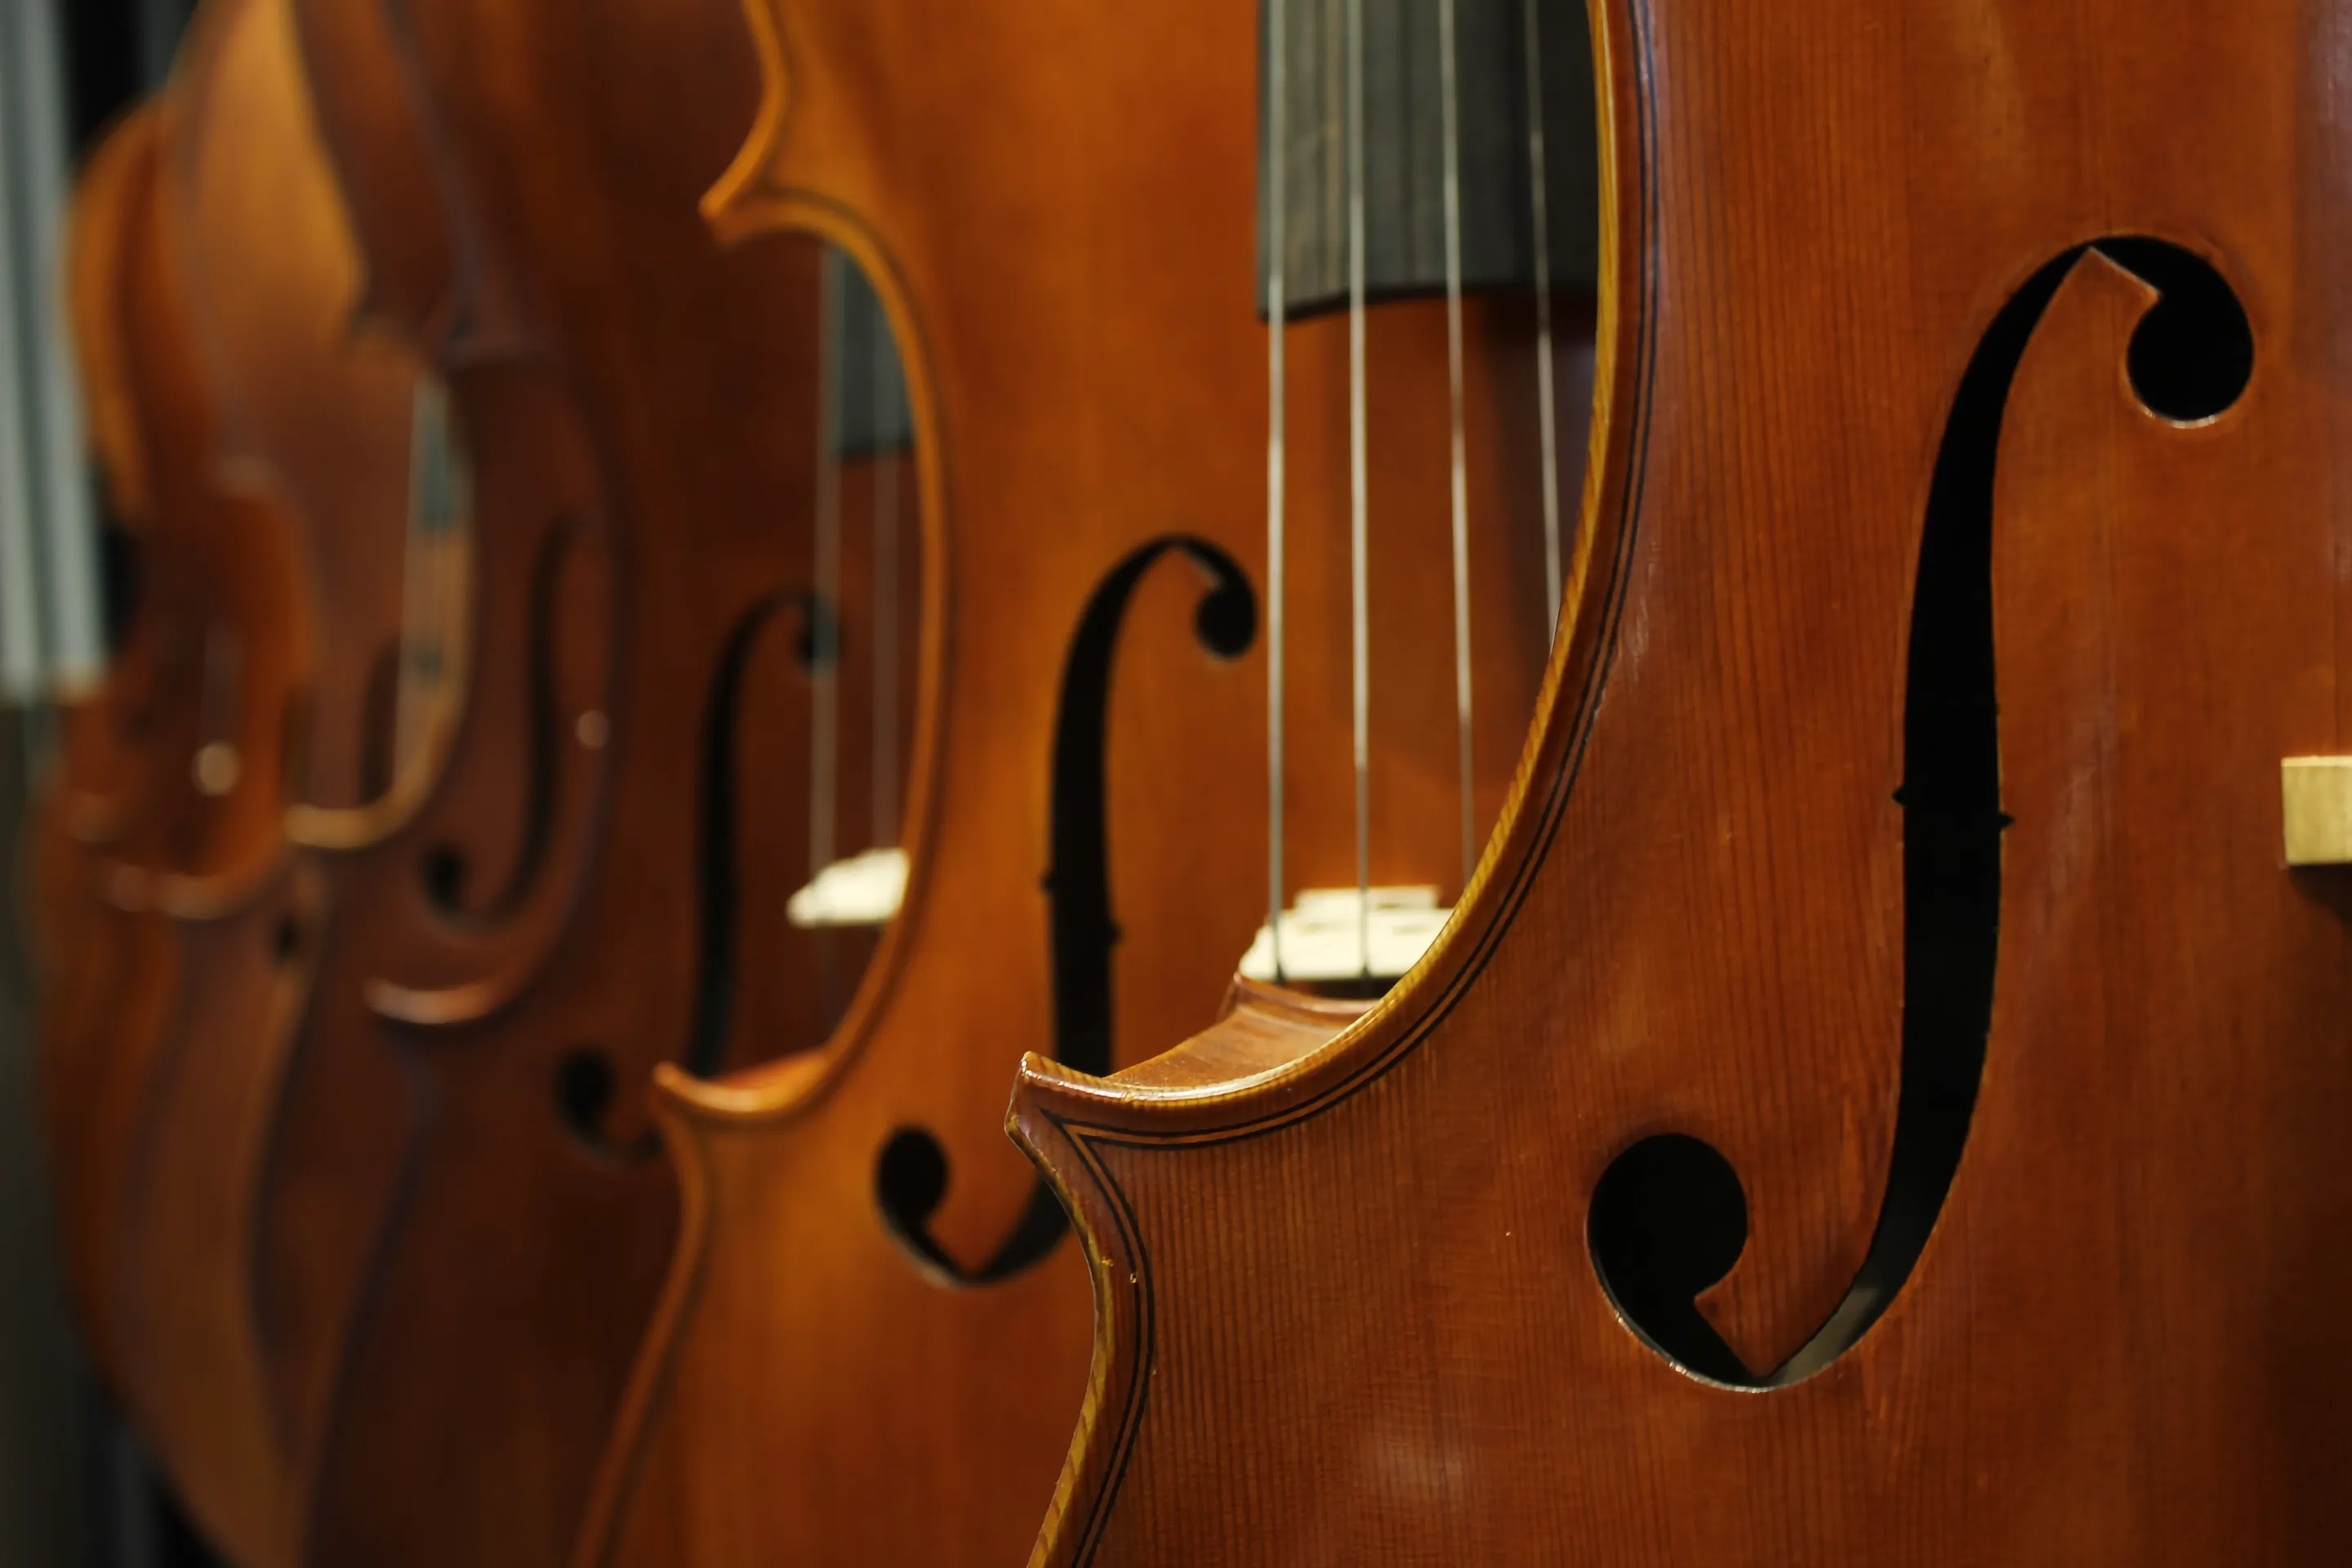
<point>871,1304</point>
<point>678,645</point>
<point>1881,1097</point>
<point>331,441</point>
<point>124,758</point>
<point>224,646</point>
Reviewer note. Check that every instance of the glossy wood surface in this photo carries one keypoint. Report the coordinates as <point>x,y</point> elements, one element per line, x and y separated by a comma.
<point>312,431</point>
<point>1348,1304</point>
<point>218,613</point>
<point>855,1362</point>
<point>123,754</point>
<point>678,384</point>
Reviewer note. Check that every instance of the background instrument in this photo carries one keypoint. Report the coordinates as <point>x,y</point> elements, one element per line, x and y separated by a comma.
<point>315,434</point>
<point>642,413</point>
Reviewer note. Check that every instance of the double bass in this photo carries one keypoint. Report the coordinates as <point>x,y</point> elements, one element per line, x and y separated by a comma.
<point>1882,1096</point>
<point>873,1334</point>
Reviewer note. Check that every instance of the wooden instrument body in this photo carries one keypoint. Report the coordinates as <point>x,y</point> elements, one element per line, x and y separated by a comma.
<point>1347,1303</point>
<point>311,431</point>
<point>678,385</point>
<point>216,658</point>
<point>1054,202</point>
<point>278,1152</point>
<point>119,788</point>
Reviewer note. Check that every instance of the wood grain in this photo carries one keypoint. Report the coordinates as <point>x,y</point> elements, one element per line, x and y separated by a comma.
<point>1347,1306</point>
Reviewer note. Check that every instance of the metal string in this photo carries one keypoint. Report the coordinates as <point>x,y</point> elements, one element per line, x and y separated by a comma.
<point>824,714</point>
<point>1278,142</point>
<point>1547,434</point>
<point>1358,484</point>
<point>1454,385</point>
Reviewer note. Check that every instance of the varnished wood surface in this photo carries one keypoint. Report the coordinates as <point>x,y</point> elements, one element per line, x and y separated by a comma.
<point>104,968</point>
<point>312,430</point>
<point>678,383</point>
<point>1054,202</point>
<point>214,658</point>
<point>1347,1308</point>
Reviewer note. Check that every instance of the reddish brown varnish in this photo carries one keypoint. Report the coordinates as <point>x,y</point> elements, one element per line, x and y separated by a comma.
<point>306,437</point>
<point>1348,1305</point>
<point>121,792</point>
<point>640,409</point>
<point>1056,203</point>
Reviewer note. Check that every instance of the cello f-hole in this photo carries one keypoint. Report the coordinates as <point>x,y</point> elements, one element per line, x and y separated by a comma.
<point>1661,1223</point>
<point>911,1173</point>
<point>586,1088</point>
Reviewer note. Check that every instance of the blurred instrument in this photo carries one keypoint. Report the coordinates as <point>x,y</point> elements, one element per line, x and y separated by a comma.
<point>123,800</point>
<point>672,509</point>
<point>310,435</point>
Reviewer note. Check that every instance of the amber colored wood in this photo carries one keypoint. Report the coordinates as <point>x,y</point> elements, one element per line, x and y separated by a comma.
<point>311,429</point>
<point>1054,202</point>
<point>202,691</point>
<point>630,387</point>
<point>104,968</point>
<point>1347,1308</point>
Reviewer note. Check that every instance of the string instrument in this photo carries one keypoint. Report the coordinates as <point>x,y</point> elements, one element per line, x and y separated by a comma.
<point>1882,1096</point>
<point>873,1302</point>
<point>663,467</point>
<point>119,800</point>
<point>243,1252</point>
<point>314,436</point>
<point>220,612</point>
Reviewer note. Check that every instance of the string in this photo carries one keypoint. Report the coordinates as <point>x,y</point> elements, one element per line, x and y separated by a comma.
<point>1547,434</point>
<point>1358,485</point>
<point>823,717</point>
<point>422,613</point>
<point>1454,385</point>
<point>885,829</point>
<point>1277,142</point>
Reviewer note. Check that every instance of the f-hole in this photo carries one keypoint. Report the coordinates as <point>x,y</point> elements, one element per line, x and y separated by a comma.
<point>1668,1218</point>
<point>816,648</point>
<point>444,871</point>
<point>584,1079</point>
<point>910,1178</point>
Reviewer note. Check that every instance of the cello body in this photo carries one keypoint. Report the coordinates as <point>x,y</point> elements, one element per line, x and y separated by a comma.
<point>874,1332</point>
<point>594,321</point>
<point>120,792</point>
<point>310,433</point>
<point>1880,1101</point>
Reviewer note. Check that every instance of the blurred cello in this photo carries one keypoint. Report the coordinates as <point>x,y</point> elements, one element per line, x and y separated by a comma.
<point>120,799</point>
<point>872,1341</point>
<point>220,612</point>
<point>677,623</point>
<point>1883,1096</point>
<point>310,433</point>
